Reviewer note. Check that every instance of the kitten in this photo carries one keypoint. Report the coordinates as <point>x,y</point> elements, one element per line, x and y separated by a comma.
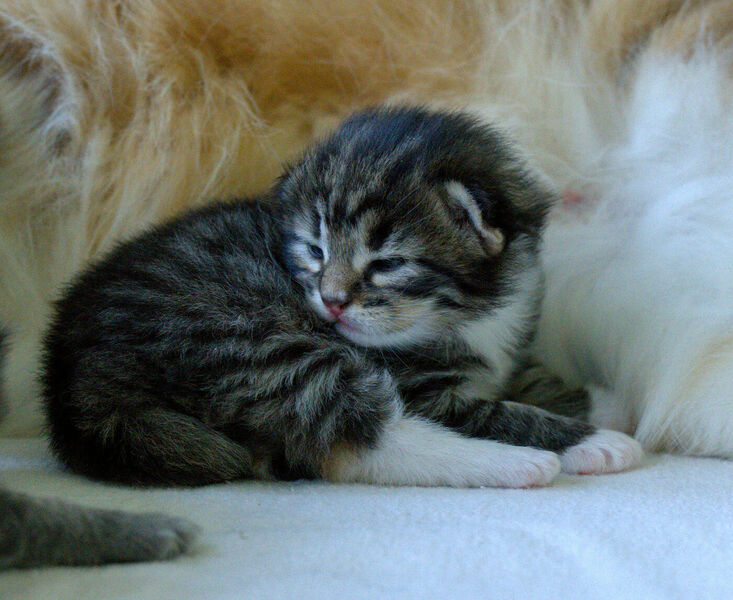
<point>36,532</point>
<point>367,322</point>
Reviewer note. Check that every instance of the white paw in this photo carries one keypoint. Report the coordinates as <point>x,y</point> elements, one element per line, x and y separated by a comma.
<point>603,452</point>
<point>520,467</point>
<point>417,452</point>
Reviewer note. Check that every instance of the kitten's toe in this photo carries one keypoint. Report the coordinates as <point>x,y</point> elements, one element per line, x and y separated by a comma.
<point>604,451</point>
<point>167,537</point>
<point>526,467</point>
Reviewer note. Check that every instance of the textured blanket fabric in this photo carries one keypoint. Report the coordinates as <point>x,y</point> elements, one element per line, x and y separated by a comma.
<point>664,531</point>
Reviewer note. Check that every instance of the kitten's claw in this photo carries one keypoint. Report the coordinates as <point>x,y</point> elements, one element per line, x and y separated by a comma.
<point>603,452</point>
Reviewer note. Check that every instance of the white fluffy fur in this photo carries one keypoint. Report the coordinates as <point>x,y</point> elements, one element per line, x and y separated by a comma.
<point>609,411</point>
<point>640,278</point>
<point>32,196</point>
<point>413,451</point>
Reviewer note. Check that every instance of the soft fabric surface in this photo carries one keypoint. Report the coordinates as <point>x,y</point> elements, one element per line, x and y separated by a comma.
<point>664,531</point>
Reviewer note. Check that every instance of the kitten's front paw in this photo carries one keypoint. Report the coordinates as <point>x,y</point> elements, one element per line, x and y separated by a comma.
<point>525,467</point>
<point>604,451</point>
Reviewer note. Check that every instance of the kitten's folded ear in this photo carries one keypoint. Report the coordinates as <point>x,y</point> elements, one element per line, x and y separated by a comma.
<point>492,238</point>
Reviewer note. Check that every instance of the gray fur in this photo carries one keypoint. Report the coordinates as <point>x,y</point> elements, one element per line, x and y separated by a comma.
<point>35,533</point>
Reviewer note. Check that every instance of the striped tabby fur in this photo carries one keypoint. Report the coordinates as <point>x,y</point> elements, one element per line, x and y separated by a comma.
<point>367,322</point>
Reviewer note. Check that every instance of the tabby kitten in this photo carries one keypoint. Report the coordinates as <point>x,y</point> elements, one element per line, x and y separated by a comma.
<point>365,322</point>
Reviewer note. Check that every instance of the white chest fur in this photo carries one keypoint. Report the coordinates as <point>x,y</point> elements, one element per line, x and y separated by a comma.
<point>498,336</point>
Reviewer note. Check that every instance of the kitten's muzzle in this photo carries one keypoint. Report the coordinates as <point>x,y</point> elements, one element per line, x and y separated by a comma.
<point>335,305</point>
<point>337,287</point>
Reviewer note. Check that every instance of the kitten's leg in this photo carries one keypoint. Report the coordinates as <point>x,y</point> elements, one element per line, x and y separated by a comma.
<point>582,448</point>
<point>308,407</point>
<point>152,446</point>
<point>414,451</point>
<point>532,384</point>
<point>602,451</point>
<point>338,415</point>
<point>37,532</point>
<point>518,420</point>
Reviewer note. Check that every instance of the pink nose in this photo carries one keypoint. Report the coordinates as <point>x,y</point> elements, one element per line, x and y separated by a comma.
<point>335,303</point>
<point>335,309</point>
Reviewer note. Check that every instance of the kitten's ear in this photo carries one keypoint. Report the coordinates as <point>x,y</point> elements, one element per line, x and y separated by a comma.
<point>492,238</point>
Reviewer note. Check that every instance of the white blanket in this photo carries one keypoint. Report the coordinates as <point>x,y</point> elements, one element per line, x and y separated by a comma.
<point>664,531</point>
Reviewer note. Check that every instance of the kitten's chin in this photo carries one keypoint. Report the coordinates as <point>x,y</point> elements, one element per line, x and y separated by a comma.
<point>354,330</point>
<point>404,338</point>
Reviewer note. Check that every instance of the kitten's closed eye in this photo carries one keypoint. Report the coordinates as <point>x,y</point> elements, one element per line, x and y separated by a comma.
<point>384,271</point>
<point>384,265</point>
<point>315,251</point>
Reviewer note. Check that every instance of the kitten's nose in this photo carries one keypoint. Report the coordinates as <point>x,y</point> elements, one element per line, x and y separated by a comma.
<point>335,305</point>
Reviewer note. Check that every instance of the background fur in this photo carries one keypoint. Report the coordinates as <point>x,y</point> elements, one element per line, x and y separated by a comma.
<point>117,114</point>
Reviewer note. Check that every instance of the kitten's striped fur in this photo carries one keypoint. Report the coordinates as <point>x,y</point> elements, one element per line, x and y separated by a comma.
<point>367,322</point>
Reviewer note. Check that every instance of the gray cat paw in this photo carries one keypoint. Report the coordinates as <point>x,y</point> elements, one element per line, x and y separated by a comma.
<point>160,537</point>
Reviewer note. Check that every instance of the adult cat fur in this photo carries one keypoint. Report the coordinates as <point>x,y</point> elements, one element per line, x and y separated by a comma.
<point>639,275</point>
<point>159,106</point>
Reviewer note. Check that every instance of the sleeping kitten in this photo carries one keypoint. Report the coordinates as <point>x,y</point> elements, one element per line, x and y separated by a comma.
<point>36,532</point>
<point>367,322</point>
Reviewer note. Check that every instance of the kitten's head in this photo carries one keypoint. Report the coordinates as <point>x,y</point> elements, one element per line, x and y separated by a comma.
<point>405,223</point>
